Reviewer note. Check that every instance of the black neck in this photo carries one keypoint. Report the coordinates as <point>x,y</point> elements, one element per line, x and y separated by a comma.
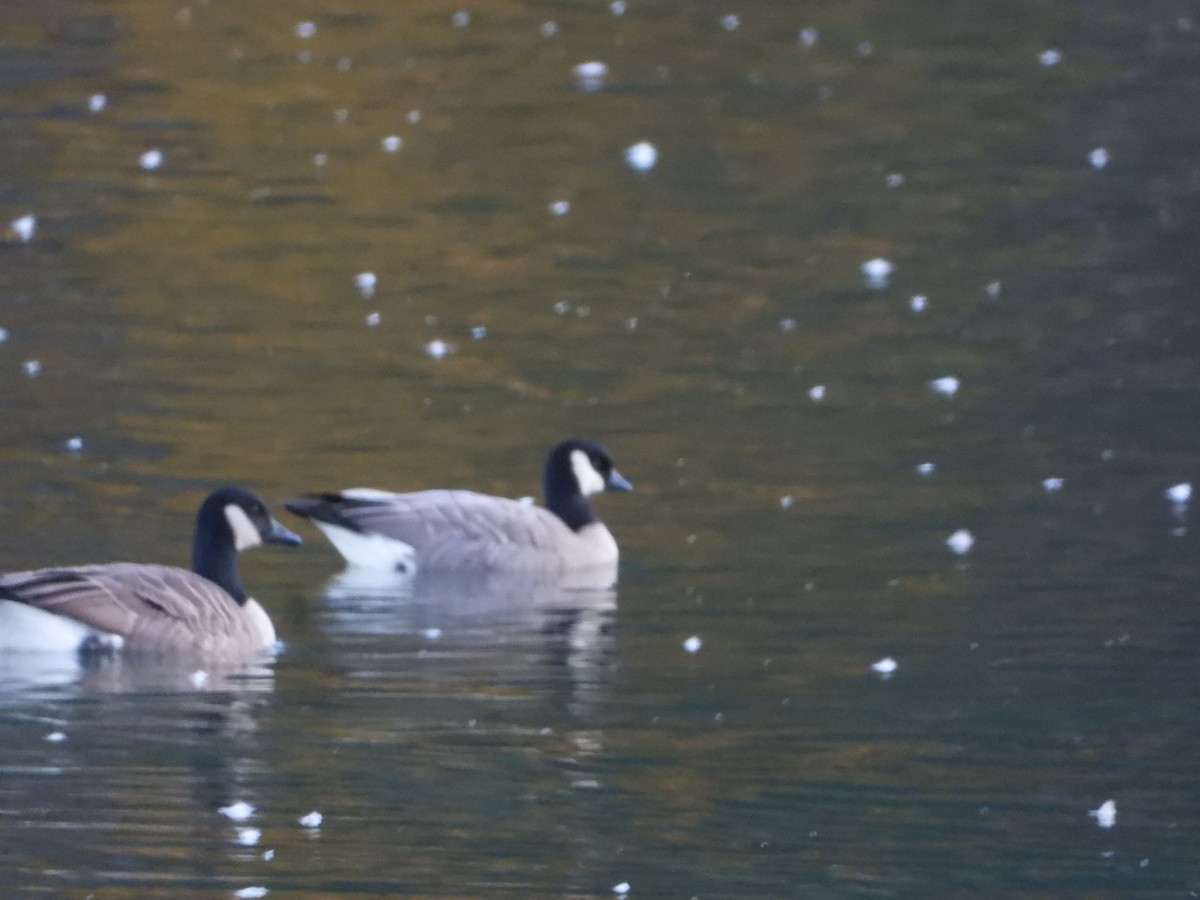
<point>213,554</point>
<point>564,500</point>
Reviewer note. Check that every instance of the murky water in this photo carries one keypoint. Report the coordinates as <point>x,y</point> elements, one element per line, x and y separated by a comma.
<point>199,323</point>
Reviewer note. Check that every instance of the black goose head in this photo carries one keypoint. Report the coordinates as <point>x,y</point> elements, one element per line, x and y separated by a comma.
<point>231,520</point>
<point>576,469</point>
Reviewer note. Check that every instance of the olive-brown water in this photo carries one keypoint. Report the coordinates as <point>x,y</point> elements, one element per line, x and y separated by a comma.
<point>199,323</point>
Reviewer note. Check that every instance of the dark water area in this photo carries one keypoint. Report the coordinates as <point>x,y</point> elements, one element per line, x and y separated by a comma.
<point>199,323</point>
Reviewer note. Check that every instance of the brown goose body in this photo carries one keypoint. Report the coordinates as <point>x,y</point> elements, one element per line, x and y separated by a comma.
<point>151,609</point>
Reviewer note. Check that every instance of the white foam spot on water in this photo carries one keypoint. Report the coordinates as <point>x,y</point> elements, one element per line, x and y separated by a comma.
<point>24,227</point>
<point>816,393</point>
<point>392,143</point>
<point>618,7</point>
<point>97,102</point>
<point>461,19</point>
<point>32,367</point>
<point>365,282</point>
<point>1050,58</point>
<point>641,157</point>
<point>1179,494</point>
<point>372,320</point>
<point>562,307</point>
<point>311,820</point>
<point>479,332</point>
<point>413,117</point>
<point>74,445</point>
<point>622,889</point>
<point>993,290</point>
<point>199,678</point>
<point>730,22</point>
<point>438,349</point>
<point>151,160</point>
<point>560,207</point>
<point>251,893</point>
<point>693,644</point>
<point>344,64</point>
<point>894,180</point>
<point>590,75</point>
<point>1050,485</point>
<point>947,385</point>
<point>306,29</point>
<point>885,667</point>
<point>918,303</point>
<point>548,28</point>
<point>926,468</point>
<point>268,855</point>
<point>431,634</point>
<point>809,36</point>
<point>866,48</point>
<point>320,159</point>
<point>3,335</point>
<point>1106,814</point>
<point>238,812</point>
<point>248,837</point>
<point>55,737</point>
<point>1098,158</point>
<point>961,541</point>
<point>341,116</point>
<point>788,324</point>
<point>877,271</point>
<point>787,502</point>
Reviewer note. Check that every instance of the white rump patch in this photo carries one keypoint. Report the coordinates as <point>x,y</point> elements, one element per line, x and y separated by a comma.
<point>245,533</point>
<point>370,551</point>
<point>259,621</point>
<point>590,481</point>
<point>28,628</point>
<point>367,494</point>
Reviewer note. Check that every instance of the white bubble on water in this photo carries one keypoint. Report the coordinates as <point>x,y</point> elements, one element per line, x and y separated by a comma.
<point>918,303</point>
<point>926,468</point>
<point>392,143</point>
<point>693,644</point>
<point>33,368</point>
<point>548,28</point>
<point>365,282</point>
<point>947,385</point>
<point>438,349</point>
<point>1050,58</point>
<point>961,541</point>
<point>1050,485</point>
<point>560,207</point>
<point>1098,158</point>
<point>372,320</point>
<point>641,157</point>
<point>238,812</point>
<point>809,36</point>
<point>74,445</point>
<point>248,837</point>
<point>306,29</point>
<point>590,75</point>
<point>730,22</point>
<point>461,19</point>
<point>311,820</point>
<point>1106,815</point>
<point>894,180</point>
<point>877,271</point>
<point>816,393</point>
<point>24,227</point>
<point>97,102</point>
<point>618,7</point>
<point>151,160</point>
<point>885,667</point>
<point>1180,494</point>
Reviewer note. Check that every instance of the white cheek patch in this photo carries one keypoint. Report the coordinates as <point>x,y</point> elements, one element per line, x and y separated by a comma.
<point>590,481</point>
<point>245,534</point>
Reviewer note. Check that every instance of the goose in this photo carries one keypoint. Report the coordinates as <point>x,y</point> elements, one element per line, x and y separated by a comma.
<point>151,609</point>
<point>454,530</point>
